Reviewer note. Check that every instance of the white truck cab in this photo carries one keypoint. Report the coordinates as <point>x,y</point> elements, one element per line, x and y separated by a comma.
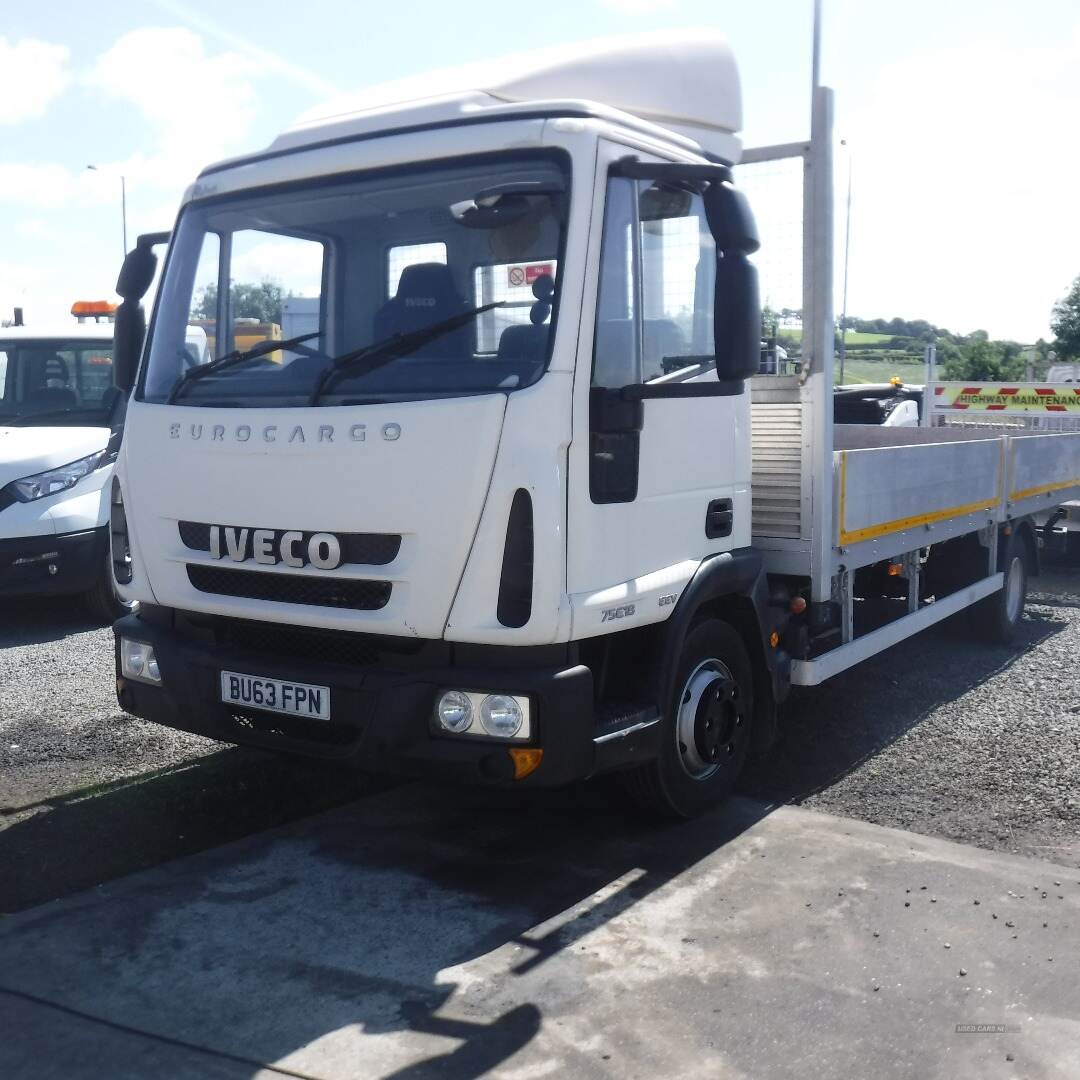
<point>58,442</point>
<point>488,512</point>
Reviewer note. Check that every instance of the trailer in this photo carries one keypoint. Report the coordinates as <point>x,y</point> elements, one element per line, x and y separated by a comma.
<point>517,506</point>
<point>1017,409</point>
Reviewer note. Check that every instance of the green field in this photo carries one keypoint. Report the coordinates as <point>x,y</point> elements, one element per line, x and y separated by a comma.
<point>853,338</point>
<point>859,369</point>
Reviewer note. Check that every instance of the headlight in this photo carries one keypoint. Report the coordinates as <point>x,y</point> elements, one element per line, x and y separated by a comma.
<point>455,711</point>
<point>137,661</point>
<point>500,715</point>
<point>43,484</point>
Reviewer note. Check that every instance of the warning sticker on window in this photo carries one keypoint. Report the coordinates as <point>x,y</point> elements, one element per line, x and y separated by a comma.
<point>538,270</point>
<point>520,275</point>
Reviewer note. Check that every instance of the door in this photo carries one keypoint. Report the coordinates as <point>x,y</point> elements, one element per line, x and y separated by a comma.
<point>659,469</point>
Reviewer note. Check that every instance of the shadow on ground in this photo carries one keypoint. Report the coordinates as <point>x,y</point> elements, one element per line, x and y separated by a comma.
<point>83,838</point>
<point>36,620</point>
<point>354,921</point>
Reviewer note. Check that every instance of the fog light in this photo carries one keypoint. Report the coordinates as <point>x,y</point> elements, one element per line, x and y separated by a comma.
<point>137,661</point>
<point>454,712</point>
<point>500,715</point>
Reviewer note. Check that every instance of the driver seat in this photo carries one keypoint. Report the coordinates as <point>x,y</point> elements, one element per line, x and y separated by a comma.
<point>426,295</point>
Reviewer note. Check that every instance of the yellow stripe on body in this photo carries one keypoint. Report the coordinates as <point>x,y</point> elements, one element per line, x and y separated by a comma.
<point>871,532</point>
<point>1045,489</point>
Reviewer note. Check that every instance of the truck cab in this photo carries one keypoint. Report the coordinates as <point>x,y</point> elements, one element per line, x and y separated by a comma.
<point>499,456</point>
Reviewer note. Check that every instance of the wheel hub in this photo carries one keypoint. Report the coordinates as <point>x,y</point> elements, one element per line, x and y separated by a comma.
<point>710,719</point>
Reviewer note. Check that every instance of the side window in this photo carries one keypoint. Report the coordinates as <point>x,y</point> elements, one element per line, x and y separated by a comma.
<point>657,274</point>
<point>93,373</point>
<point>513,285</point>
<point>403,255</point>
<point>200,342</point>
<point>268,274</point>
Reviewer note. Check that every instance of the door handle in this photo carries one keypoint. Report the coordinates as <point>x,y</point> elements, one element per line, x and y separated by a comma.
<point>719,519</point>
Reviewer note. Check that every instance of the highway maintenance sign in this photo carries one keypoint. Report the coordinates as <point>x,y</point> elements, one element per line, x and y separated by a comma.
<point>994,397</point>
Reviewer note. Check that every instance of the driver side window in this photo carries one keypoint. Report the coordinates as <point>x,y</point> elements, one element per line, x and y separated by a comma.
<point>656,291</point>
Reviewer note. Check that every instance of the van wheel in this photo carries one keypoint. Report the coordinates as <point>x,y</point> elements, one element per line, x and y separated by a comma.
<point>998,616</point>
<point>101,601</point>
<point>706,727</point>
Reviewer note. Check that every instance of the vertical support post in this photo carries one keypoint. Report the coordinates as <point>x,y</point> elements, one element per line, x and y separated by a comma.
<point>844,594</point>
<point>818,338</point>
<point>913,572</point>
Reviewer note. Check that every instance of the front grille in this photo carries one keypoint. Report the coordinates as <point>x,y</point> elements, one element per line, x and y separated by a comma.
<point>298,643</point>
<point>291,588</point>
<point>369,549</point>
<point>295,727</point>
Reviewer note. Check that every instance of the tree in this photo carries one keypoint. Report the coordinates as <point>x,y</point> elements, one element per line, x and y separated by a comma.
<point>985,361</point>
<point>260,301</point>
<point>1065,322</point>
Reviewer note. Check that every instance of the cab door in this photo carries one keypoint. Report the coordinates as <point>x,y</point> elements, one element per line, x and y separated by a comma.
<point>659,464</point>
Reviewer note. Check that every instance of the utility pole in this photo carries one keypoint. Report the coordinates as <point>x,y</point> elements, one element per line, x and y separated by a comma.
<point>847,248</point>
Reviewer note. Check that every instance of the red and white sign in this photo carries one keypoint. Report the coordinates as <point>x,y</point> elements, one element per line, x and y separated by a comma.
<point>538,270</point>
<point>519,276</point>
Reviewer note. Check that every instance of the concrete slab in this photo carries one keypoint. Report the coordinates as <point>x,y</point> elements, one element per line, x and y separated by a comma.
<point>423,933</point>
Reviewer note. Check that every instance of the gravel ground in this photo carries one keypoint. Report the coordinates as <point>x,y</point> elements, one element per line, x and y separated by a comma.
<point>948,736</point>
<point>941,735</point>
<point>88,792</point>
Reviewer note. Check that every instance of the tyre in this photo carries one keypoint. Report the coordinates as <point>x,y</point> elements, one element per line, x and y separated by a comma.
<point>101,601</point>
<point>706,727</point>
<point>1072,548</point>
<point>998,616</point>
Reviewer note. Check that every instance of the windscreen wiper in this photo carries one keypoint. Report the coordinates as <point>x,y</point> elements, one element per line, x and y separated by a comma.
<point>371,357</point>
<point>237,356</point>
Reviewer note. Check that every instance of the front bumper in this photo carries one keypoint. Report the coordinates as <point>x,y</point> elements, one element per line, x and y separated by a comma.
<point>51,564</point>
<point>382,710</point>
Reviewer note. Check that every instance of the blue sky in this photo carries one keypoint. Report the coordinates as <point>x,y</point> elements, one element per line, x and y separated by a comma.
<point>961,119</point>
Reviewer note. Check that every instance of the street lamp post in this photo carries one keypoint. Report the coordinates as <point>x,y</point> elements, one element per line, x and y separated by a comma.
<point>123,205</point>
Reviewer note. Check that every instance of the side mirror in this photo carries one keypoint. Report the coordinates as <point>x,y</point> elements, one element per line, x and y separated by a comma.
<point>129,329</point>
<point>737,306</point>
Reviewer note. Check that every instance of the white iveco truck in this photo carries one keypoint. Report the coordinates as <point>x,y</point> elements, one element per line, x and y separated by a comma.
<point>515,507</point>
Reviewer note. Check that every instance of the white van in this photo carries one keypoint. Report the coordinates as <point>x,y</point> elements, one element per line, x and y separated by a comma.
<point>60,426</point>
<point>61,420</point>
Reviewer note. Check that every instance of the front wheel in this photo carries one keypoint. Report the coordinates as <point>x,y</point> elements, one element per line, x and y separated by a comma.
<point>706,727</point>
<point>102,601</point>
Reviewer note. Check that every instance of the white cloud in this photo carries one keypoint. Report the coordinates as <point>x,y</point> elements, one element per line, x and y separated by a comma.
<point>639,7</point>
<point>266,58</point>
<point>200,105</point>
<point>32,75</point>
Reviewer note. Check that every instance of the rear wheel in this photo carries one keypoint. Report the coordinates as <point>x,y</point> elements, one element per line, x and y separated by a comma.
<point>707,725</point>
<point>999,615</point>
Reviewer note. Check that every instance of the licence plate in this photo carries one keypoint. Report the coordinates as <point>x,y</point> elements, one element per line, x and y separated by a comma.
<point>276,695</point>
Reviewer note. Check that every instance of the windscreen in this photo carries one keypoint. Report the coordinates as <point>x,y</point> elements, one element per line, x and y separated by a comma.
<point>386,286</point>
<point>50,381</point>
